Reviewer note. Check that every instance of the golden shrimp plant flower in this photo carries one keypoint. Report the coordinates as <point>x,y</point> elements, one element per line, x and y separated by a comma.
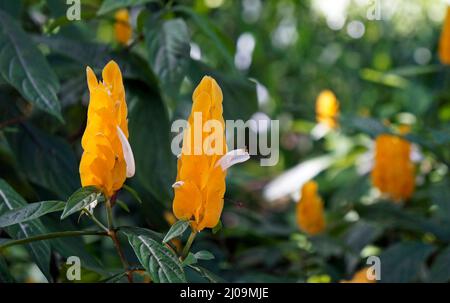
<point>122,26</point>
<point>393,172</point>
<point>107,158</point>
<point>203,163</point>
<point>310,212</point>
<point>444,42</point>
<point>327,108</point>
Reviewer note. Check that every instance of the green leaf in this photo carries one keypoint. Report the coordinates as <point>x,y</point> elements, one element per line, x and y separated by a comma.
<point>30,212</point>
<point>5,275</point>
<point>45,160</point>
<point>176,230</point>
<point>369,126</point>
<point>71,246</point>
<point>97,55</point>
<point>123,205</point>
<point>132,192</point>
<point>211,31</point>
<point>11,7</point>
<point>189,260</point>
<point>80,199</point>
<point>204,255</point>
<point>39,251</point>
<point>217,228</point>
<point>111,5</point>
<point>159,261</point>
<point>23,66</point>
<point>168,52</point>
<point>440,270</point>
<point>402,262</point>
<point>149,124</point>
<point>208,275</point>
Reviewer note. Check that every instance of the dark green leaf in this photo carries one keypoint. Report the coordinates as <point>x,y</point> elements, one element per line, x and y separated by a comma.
<point>112,5</point>
<point>30,212</point>
<point>5,275</point>
<point>217,228</point>
<point>176,230</point>
<point>11,7</point>
<point>204,255</point>
<point>440,270</point>
<point>23,66</point>
<point>210,30</point>
<point>402,262</point>
<point>45,160</point>
<point>97,55</point>
<point>80,199</point>
<point>168,52</point>
<point>123,205</point>
<point>159,261</point>
<point>149,124</point>
<point>40,251</point>
<point>369,126</point>
<point>132,192</point>
<point>210,276</point>
<point>71,246</point>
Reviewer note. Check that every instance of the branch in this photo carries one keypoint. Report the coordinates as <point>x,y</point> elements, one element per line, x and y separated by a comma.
<point>60,234</point>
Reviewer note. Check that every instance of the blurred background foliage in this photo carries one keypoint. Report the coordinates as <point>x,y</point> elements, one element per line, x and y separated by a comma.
<point>272,59</point>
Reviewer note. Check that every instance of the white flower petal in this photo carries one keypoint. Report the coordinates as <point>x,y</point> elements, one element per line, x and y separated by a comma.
<point>178,184</point>
<point>233,157</point>
<point>127,153</point>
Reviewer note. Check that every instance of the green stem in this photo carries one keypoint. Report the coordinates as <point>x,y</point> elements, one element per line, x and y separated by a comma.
<point>60,234</point>
<point>95,220</point>
<point>188,245</point>
<point>113,235</point>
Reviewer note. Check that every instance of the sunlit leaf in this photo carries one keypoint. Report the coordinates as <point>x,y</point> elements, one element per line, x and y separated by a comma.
<point>81,199</point>
<point>176,230</point>
<point>30,212</point>
<point>160,262</point>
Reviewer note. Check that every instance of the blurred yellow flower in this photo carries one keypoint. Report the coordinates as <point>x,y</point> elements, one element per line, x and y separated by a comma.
<point>310,213</point>
<point>122,27</point>
<point>360,277</point>
<point>444,43</point>
<point>327,108</point>
<point>107,158</point>
<point>393,171</point>
<point>200,184</point>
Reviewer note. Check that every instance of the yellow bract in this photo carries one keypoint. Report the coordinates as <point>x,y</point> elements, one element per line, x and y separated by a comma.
<point>310,214</point>
<point>360,277</point>
<point>327,108</point>
<point>444,43</point>
<point>122,27</point>
<point>103,164</point>
<point>200,185</point>
<point>393,172</point>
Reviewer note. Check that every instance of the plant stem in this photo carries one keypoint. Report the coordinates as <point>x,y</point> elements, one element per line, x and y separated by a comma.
<point>109,214</point>
<point>60,234</point>
<point>96,221</point>
<point>188,245</point>
<point>113,235</point>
